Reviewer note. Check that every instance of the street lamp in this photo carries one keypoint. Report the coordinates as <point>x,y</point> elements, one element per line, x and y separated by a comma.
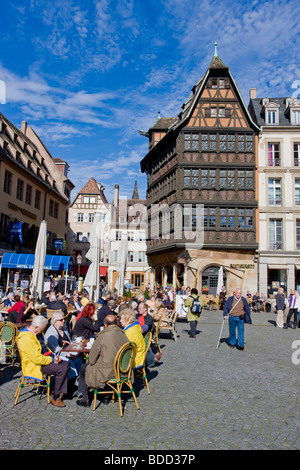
<point>79,261</point>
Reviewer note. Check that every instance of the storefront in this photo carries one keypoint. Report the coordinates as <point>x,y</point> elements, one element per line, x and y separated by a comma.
<point>16,269</point>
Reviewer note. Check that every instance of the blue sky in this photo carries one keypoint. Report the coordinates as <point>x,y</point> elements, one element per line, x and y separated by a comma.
<point>88,75</point>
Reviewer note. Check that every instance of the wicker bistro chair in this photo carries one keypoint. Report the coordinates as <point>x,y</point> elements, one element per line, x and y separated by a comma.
<point>141,372</point>
<point>156,333</point>
<point>32,382</point>
<point>8,335</point>
<point>49,313</point>
<point>171,325</point>
<point>123,365</point>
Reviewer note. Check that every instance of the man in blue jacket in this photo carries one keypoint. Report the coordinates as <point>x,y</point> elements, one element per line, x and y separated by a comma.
<point>237,310</point>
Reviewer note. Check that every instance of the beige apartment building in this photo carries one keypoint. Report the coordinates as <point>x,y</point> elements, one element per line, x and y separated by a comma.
<point>129,220</point>
<point>279,192</point>
<point>34,186</point>
<point>89,200</point>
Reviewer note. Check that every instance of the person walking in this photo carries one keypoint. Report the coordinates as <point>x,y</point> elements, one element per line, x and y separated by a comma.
<point>294,307</point>
<point>193,316</point>
<point>280,307</point>
<point>237,310</point>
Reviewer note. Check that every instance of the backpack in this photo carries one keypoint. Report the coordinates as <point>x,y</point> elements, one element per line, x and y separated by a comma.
<point>196,305</point>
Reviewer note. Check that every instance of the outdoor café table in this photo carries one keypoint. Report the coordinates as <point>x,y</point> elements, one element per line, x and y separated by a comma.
<point>78,348</point>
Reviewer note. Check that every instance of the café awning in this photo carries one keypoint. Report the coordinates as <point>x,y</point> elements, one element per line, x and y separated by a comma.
<point>25,261</point>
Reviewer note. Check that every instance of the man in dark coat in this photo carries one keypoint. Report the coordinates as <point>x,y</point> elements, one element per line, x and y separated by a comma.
<point>100,366</point>
<point>237,310</point>
<point>56,304</point>
<point>104,311</point>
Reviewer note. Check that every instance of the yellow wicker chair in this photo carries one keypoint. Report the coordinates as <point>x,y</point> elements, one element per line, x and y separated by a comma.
<point>123,365</point>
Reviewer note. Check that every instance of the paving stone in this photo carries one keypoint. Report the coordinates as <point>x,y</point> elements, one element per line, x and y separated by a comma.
<point>202,398</point>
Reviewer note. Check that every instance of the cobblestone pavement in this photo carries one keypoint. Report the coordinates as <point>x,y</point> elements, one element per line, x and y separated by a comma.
<point>201,398</point>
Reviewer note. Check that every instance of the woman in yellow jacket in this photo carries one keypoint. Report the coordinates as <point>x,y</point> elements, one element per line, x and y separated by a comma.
<point>35,363</point>
<point>133,331</point>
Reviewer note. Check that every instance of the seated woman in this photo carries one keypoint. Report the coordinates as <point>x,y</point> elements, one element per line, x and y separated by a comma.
<point>151,303</point>
<point>160,311</point>
<point>16,312</point>
<point>57,337</point>
<point>85,325</point>
<point>133,332</point>
<point>30,312</point>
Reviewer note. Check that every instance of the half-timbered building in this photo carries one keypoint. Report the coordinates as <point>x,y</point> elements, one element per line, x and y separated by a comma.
<point>201,192</point>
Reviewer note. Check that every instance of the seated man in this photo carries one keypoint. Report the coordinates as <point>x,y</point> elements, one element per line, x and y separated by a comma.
<point>104,311</point>
<point>76,303</point>
<point>100,366</point>
<point>256,301</point>
<point>9,301</point>
<point>56,304</point>
<point>35,363</point>
<point>144,318</point>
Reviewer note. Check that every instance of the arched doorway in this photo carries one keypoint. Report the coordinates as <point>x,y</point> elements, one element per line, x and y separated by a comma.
<point>210,278</point>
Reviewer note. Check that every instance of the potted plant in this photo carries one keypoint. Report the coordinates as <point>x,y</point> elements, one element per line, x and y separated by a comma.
<point>205,289</point>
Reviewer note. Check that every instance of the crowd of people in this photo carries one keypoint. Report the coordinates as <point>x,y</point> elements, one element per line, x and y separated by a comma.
<point>111,322</point>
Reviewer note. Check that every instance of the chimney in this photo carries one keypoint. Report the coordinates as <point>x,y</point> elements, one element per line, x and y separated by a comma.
<point>116,195</point>
<point>252,93</point>
<point>24,127</point>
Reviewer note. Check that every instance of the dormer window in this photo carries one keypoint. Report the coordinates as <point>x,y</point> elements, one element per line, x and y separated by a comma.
<point>270,112</point>
<point>295,117</point>
<point>293,111</point>
<point>271,116</point>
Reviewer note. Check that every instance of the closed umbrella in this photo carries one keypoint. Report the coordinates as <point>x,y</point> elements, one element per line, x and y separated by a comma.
<point>92,278</point>
<point>37,280</point>
<point>220,281</point>
<point>122,262</point>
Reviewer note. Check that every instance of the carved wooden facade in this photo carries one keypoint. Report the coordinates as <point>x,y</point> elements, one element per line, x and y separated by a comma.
<point>207,155</point>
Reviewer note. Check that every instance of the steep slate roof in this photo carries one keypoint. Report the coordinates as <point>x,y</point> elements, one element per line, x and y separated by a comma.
<point>256,106</point>
<point>188,106</point>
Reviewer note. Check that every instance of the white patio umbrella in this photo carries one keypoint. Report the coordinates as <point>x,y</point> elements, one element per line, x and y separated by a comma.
<point>122,262</point>
<point>37,280</point>
<point>220,280</point>
<point>92,278</point>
